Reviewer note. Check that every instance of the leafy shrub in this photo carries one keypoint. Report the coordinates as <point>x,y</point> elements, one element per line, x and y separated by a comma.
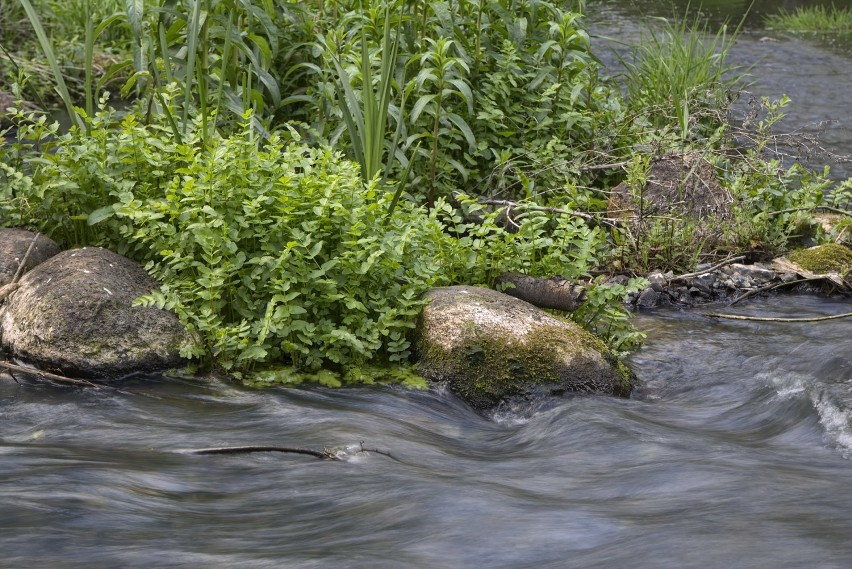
<point>274,251</point>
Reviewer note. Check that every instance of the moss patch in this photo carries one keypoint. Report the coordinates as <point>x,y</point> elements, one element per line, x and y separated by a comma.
<point>824,258</point>
<point>483,369</point>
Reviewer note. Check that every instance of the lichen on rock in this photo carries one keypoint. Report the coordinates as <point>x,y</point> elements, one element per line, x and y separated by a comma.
<point>830,257</point>
<point>488,346</point>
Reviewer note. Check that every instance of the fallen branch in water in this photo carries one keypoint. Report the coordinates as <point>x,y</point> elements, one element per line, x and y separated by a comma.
<point>10,367</point>
<point>767,319</point>
<point>325,454</point>
<point>772,286</point>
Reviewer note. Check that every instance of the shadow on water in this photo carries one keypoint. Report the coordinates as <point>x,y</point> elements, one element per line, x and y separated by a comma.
<point>732,454</point>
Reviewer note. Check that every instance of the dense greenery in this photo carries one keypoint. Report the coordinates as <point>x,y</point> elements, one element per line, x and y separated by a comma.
<point>484,137</point>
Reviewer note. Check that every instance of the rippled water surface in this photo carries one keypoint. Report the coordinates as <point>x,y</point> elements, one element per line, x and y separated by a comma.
<point>733,453</point>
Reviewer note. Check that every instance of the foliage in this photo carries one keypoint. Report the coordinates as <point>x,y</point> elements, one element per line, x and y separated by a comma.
<point>812,19</point>
<point>775,203</point>
<point>270,250</point>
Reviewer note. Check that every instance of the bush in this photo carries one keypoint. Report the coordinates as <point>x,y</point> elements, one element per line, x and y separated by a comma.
<point>273,251</point>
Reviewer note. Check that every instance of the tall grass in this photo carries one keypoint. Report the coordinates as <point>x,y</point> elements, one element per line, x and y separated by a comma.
<point>812,19</point>
<point>680,72</point>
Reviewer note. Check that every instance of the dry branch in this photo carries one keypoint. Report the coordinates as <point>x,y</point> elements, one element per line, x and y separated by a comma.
<point>708,270</point>
<point>325,454</point>
<point>46,375</point>
<point>768,319</point>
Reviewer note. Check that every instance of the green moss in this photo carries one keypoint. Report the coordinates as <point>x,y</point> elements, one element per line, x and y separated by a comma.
<point>483,370</point>
<point>824,258</point>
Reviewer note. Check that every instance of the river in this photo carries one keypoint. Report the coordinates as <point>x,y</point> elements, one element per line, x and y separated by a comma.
<point>733,452</point>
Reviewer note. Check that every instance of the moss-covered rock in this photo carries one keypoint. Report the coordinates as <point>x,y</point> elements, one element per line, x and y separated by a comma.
<point>73,314</point>
<point>831,257</point>
<point>488,346</point>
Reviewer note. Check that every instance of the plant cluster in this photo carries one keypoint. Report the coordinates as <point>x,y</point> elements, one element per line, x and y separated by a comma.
<point>269,249</point>
<point>485,142</point>
<point>820,19</point>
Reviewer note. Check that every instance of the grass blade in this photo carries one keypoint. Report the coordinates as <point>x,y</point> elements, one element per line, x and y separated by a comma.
<point>49,54</point>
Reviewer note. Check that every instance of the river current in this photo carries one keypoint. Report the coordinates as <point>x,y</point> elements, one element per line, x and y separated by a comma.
<point>732,453</point>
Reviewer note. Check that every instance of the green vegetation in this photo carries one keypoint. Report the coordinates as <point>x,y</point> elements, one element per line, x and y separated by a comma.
<point>824,258</point>
<point>484,141</point>
<point>818,19</point>
<point>679,75</point>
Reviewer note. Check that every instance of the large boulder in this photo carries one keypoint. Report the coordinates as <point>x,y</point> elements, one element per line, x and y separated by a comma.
<point>14,244</point>
<point>489,346</point>
<point>72,314</point>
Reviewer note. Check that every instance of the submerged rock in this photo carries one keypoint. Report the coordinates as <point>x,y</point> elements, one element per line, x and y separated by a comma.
<point>488,346</point>
<point>73,314</point>
<point>13,247</point>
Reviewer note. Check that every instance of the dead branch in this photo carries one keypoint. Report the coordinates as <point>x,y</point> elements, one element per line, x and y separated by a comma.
<point>47,375</point>
<point>510,205</point>
<point>324,454</point>
<point>772,286</point>
<point>556,293</point>
<point>766,319</point>
<point>13,285</point>
<point>23,262</point>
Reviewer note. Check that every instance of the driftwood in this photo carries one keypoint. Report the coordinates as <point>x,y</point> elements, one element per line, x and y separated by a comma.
<point>555,292</point>
<point>324,454</point>
<point>10,367</point>
<point>768,319</point>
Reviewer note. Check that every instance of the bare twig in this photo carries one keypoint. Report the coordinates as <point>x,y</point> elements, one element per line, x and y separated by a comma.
<point>765,319</point>
<point>20,270</point>
<point>47,375</point>
<point>324,454</point>
<point>509,205</point>
<point>772,286</point>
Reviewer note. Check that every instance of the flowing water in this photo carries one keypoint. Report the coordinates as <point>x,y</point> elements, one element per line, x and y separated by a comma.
<point>733,453</point>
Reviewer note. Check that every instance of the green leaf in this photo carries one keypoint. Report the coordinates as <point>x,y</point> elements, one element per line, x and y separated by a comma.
<point>101,214</point>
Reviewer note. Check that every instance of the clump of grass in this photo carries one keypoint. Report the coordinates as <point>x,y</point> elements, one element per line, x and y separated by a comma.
<point>818,19</point>
<point>681,71</point>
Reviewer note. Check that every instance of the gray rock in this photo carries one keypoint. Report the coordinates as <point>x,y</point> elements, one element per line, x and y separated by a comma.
<point>488,346</point>
<point>657,281</point>
<point>649,298</point>
<point>754,272</point>
<point>73,314</point>
<point>703,283</point>
<point>13,246</point>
